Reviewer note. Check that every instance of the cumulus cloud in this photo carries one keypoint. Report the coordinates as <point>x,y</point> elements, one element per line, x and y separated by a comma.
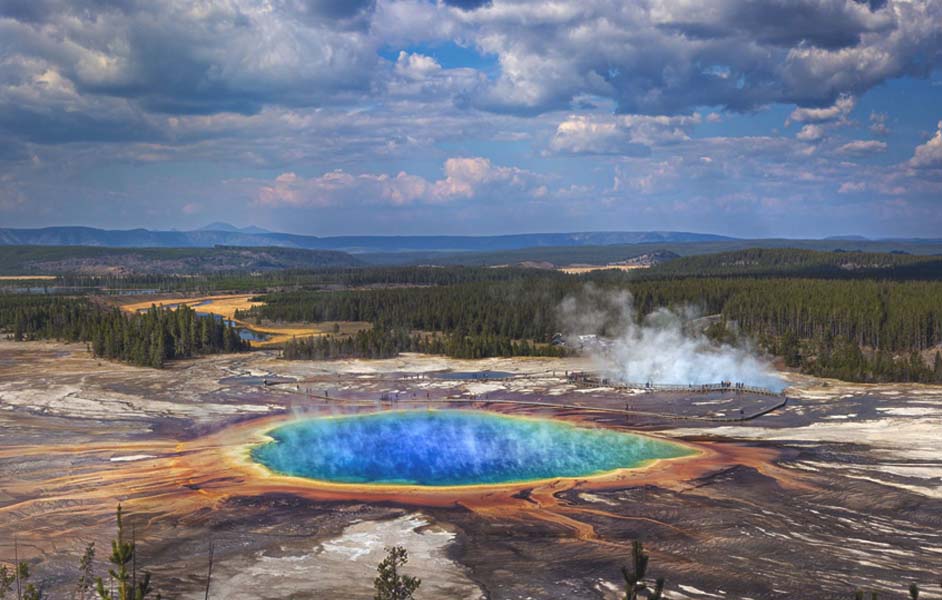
<point>95,89</point>
<point>630,135</point>
<point>672,56</point>
<point>829,25</point>
<point>467,4</point>
<point>464,178</point>
<point>862,147</point>
<point>929,155</point>
<point>878,124</point>
<point>658,58</point>
<point>178,57</point>
<point>416,66</point>
<point>350,13</point>
<point>422,79</point>
<point>836,112</point>
<point>810,133</point>
<point>817,121</point>
<point>851,187</point>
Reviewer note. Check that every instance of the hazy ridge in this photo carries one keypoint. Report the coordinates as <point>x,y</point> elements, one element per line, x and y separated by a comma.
<point>231,236</point>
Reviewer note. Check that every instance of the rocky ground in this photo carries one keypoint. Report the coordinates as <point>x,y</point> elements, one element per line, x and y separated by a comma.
<point>840,489</point>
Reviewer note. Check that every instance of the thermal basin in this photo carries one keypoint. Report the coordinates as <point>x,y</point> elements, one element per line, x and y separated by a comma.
<point>451,448</point>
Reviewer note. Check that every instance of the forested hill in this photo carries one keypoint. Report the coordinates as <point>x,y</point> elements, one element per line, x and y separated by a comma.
<point>804,263</point>
<point>861,330</point>
<point>601,255</point>
<point>149,338</point>
<point>250,237</point>
<point>83,260</point>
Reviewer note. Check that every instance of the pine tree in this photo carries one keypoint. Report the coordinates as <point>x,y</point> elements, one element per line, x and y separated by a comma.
<point>790,350</point>
<point>123,557</point>
<point>634,577</point>
<point>389,584</point>
<point>86,565</point>
<point>7,579</point>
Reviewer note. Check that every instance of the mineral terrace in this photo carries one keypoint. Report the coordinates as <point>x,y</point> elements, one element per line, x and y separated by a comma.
<point>841,488</point>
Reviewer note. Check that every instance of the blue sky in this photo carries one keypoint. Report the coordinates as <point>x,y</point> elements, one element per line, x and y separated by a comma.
<point>799,118</point>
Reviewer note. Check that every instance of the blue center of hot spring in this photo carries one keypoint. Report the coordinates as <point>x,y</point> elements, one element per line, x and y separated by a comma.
<point>451,447</point>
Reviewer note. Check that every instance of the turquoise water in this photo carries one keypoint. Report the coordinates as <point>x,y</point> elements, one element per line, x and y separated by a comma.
<point>451,447</point>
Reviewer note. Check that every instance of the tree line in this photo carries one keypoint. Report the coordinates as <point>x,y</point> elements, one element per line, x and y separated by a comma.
<point>794,262</point>
<point>243,281</point>
<point>473,312</point>
<point>149,338</point>
<point>886,321</point>
<point>521,308</point>
<point>893,316</point>
<point>387,343</point>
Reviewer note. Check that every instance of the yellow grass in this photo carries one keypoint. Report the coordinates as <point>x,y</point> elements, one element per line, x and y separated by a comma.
<point>589,269</point>
<point>26,277</point>
<point>227,305</point>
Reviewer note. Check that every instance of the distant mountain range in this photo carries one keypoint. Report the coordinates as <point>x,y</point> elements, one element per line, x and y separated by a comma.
<point>223,234</point>
<point>219,226</point>
<point>100,261</point>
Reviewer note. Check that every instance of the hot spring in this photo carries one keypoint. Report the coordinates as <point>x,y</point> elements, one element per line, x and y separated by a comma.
<point>451,448</point>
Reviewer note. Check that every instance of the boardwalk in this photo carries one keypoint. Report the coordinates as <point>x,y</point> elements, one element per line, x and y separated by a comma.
<point>584,379</point>
<point>577,378</point>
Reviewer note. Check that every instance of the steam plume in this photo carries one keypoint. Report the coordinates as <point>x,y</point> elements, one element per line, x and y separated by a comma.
<point>662,347</point>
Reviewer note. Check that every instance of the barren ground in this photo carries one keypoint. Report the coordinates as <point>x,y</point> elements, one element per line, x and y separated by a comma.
<point>226,306</point>
<point>840,489</point>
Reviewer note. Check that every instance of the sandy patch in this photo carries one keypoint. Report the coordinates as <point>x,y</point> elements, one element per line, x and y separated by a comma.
<point>589,268</point>
<point>344,566</point>
<point>227,305</point>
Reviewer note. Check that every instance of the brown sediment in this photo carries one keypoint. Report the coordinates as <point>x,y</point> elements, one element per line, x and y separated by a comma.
<point>756,519</point>
<point>226,305</point>
<point>182,478</point>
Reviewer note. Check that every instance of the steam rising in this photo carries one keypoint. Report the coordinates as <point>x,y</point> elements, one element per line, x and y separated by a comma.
<point>664,347</point>
<point>450,447</point>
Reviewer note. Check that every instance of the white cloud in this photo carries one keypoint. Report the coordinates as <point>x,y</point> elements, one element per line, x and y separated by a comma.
<point>851,187</point>
<point>810,133</point>
<point>929,155</point>
<point>671,56</point>
<point>878,124</point>
<point>862,147</point>
<point>308,87</point>
<point>836,112</point>
<point>173,56</point>
<point>630,135</point>
<point>464,178</point>
<point>416,66</point>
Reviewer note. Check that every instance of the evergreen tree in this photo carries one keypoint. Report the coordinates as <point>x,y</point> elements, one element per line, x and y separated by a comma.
<point>389,583</point>
<point>7,579</point>
<point>147,339</point>
<point>790,349</point>
<point>124,570</point>
<point>634,576</point>
<point>86,582</point>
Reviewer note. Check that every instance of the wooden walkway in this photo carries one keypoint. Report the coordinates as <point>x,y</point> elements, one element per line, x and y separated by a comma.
<point>701,388</point>
<point>626,412</point>
<point>451,400</point>
<point>579,379</point>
